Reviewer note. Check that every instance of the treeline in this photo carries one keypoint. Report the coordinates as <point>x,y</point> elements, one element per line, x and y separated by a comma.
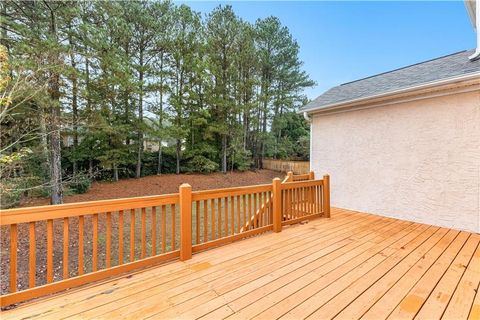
<point>131,88</point>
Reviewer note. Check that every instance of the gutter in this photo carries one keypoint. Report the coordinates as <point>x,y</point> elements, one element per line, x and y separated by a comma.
<point>334,106</point>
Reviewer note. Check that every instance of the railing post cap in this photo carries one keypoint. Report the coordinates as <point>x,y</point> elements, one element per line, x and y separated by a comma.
<point>277,179</point>
<point>185,185</point>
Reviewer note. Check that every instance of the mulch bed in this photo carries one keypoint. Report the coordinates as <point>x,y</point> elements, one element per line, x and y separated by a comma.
<point>152,185</point>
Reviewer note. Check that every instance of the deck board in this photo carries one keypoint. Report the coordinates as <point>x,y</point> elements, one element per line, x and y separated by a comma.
<point>351,266</point>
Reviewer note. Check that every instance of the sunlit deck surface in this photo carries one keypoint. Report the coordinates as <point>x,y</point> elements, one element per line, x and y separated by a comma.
<point>351,266</point>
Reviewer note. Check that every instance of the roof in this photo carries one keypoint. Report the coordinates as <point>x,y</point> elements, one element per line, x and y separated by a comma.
<point>431,71</point>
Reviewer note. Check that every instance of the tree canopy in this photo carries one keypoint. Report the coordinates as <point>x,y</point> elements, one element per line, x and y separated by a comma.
<point>132,88</point>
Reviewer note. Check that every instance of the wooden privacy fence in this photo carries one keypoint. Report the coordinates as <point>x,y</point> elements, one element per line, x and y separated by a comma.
<point>297,167</point>
<point>52,248</point>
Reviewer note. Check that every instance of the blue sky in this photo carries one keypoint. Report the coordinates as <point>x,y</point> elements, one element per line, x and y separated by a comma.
<point>344,41</point>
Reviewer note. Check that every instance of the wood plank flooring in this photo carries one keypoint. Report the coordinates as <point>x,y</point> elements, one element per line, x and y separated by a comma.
<point>351,266</point>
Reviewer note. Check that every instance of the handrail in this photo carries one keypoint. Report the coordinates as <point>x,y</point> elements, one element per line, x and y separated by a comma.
<point>30,214</point>
<point>171,226</point>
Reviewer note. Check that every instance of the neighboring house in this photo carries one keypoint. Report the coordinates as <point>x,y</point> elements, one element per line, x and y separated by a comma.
<point>405,143</point>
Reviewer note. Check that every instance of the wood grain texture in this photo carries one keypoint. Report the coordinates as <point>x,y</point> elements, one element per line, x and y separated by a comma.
<point>353,264</point>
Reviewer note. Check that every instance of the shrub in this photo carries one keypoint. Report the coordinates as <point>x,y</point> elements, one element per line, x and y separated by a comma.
<point>80,183</point>
<point>201,164</point>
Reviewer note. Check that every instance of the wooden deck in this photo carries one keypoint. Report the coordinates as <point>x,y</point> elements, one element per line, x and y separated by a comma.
<point>351,266</point>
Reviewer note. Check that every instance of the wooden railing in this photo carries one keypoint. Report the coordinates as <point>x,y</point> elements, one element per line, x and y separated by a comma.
<point>51,248</point>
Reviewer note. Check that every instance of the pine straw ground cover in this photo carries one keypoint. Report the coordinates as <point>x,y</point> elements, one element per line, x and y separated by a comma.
<point>152,185</point>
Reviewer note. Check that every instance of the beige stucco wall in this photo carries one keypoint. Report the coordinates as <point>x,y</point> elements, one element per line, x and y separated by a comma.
<point>417,161</point>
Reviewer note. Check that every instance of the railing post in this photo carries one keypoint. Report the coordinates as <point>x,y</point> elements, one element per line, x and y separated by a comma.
<point>326,195</point>
<point>277,205</point>
<point>185,193</point>
<point>311,175</point>
<point>290,176</point>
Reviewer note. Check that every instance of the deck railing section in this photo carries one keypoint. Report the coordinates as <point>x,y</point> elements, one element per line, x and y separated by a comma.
<point>222,217</point>
<point>72,244</point>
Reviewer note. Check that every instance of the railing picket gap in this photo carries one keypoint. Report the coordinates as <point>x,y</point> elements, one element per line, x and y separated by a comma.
<point>49,250</point>
<point>250,199</point>
<point>212,218</point>
<point>120,237</point>
<point>173,215</point>
<point>153,226</point>
<point>32,255</point>
<point>238,213</point>
<point>225,209</point>
<point>132,235</point>
<point>95,242</point>
<point>81,224</point>
<point>219,216</point>
<point>164,228</point>
<point>144,233</point>
<point>108,247</point>
<point>244,209</point>
<point>66,242</point>
<point>197,222</point>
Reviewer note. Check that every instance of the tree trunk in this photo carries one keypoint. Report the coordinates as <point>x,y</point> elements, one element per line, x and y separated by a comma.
<point>160,118</point>
<point>115,172</point>
<point>140,121</point>
<point>179,148</point>
<point>224,153</point>
<point>75,114</point>
<point>54,126</point>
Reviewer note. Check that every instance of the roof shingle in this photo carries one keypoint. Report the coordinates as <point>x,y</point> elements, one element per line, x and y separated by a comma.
<point>445,67</point>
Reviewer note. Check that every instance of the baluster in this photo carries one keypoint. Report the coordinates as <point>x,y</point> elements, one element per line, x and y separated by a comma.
<point>132,235</point>
<point>219,216</point>
<point>13,257</point>
<point>232,215</point>
<point>255,222</point>
<point>108,256</point>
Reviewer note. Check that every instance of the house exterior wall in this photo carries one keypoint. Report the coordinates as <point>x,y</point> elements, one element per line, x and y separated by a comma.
<point>417,161</point>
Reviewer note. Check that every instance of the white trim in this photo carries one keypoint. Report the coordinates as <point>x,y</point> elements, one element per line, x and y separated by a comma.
<point>470,5</point>
<point>471,88</point>
<point>334,106</point>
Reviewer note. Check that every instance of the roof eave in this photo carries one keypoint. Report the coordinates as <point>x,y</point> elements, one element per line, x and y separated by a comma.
<point>364,100</point>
